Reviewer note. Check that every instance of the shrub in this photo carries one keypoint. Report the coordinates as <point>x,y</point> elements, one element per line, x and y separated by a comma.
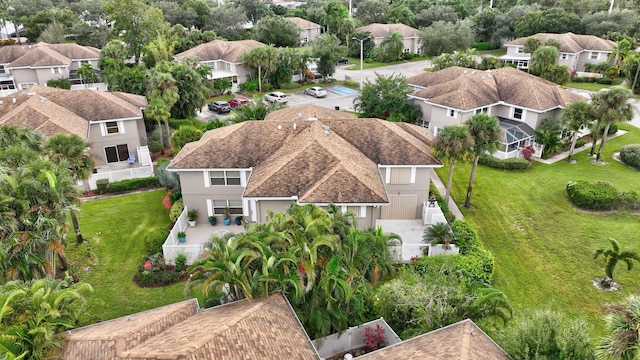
<point>485,45</point>
<point>181,262</point>
<point>59,83</point>
<point>173,152</point>
<point>507,164</point>
<point>466,236</point>
<point>612,129</point>
<point>289,86</point>
<point>214,124</point>
<point>604,81</point>
<point>352,84</point>
<point>175,195</point>
<point>155,146</point>
<point>580,143</point>
<point>408,55</point>
<point>158,276</point>
<point>102,186</point>
<point>476,267</point>
<point>630,155</point>
<point>132,184</point>
<point>177,123</point>
<point>154,239</point>
<point>176,210</point>
<point>600,196</point>
<point>579,79</point>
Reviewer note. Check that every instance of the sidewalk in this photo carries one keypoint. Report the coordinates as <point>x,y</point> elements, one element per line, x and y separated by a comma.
<point>443,190</point>
<point>564,155</point>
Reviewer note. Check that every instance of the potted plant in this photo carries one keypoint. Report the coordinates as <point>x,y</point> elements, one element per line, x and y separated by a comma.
<point>182,236</point>
<point>238,220</point>
<point>192,215</point>
<point>213,220</point>
<point>227,217</point>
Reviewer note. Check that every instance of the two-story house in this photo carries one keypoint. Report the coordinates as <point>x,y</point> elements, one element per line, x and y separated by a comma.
<point>22,66</point>
<point>309,155</point>
<point>112,122</point>
<point>575,50</point>
<point>224,58</point>
<point>410,36</point>
<point>519,100</point>
<point>309,31</point>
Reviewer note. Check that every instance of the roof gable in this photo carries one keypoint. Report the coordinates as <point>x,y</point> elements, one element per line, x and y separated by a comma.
<point>46,117</point>
<point>303,23</point>
<point>41,56</point>
<point>230,51</point>
<point>381,30</point>
<point>75,51</point>
<point>570,42</point>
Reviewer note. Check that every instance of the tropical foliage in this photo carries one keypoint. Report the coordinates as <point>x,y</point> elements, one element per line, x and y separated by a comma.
<point>452,143</point>
<point>611,257</point>
<point>622,341</point>
<point>610,106</point>
<point>486,135</point>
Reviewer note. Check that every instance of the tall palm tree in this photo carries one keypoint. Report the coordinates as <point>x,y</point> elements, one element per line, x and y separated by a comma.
<point>74,151</point>
<point>393,45</point>
<point>611,106</point>
<point>163,94</point>
<point>574,117</point>
<point>263,58</point>
<point>334,14</point>
<point>453,143</point>
<point>486,134</point>
<point>611,257</point>
<point>623,340</point>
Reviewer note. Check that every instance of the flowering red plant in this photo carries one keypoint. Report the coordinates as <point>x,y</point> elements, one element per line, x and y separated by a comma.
<point>374,338</point>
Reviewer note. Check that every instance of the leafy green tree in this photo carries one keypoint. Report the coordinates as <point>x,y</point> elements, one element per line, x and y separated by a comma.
<point>87,74</point>
<point>162,92</point>
<point>558,74</point>
<point>263,58</point>
<point>453,143</point>
<point>548,135</point>
<point>185,134</point>
<point>228,21</point>
<point>382,98</point>
<point>191,83</point>
<point>136,22</point>
<point>622,340</point>
<point>462,59</point>
<point>200,8</point>
<point>277,31</point>
<point>443,37</point>
<point>576,116</point>
<point>401,14</point>
<point>373,11</point>
<point>36,24</point>
<point>334,14</point>
<point>531,44</point>
<point>611,106</point>
<point>74,151</point>
<point>393,45</point>
<point>554,20</point>
<point>541,58</point>
<point>546,334</point>
<point>328,51</point>
<point>367,45</point>
<point>435,13</point>
<point>485,23</point>
<point>54,33</point>
<point>611,257</point>
<point>159,49</point>
<point>486,135</point>
<point>621,21</point>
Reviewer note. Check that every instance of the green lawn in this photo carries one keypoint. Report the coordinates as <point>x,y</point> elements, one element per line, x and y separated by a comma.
<point>593,86</point>
<point>494,52</point>
<point>542,245</point>
<point>114,230</point>
<point>371,65</point>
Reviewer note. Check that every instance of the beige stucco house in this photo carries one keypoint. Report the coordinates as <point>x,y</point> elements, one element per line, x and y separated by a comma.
<point>575,50</point>
<point>112,122</point>
<point>224,58</point>
<point>309,31</point>
<point>22,66</point>
<point>309,155</point>
<point>519,100</point>
<point>410,36</point>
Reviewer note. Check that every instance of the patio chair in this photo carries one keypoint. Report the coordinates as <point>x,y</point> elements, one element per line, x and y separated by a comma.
<point>132,158</point>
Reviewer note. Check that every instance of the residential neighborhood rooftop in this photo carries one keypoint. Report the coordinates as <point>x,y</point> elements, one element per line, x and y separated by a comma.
<point>465,89</point>
<point>570,42</point>
<point>302,23</point>
<point>381,30</point>
<point>43,54</point>
<point>231,51</point>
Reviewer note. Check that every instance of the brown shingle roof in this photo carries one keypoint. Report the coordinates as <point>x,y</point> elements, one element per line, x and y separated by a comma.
<point>466,89</point>
<point>332,159</point>
<point>45,117</point>
<point>11,53</point>
<point>570,42</point>
<point>258,329</point>
<point>303,23</point>
<point>75,51</point>
<point>381,30</point>
<point>41,56</point>
<point>462,340</point>
<point>230,51</point>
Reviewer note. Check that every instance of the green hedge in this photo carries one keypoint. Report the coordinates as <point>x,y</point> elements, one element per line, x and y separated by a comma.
<point>604,81</point>
<point>507,164</point>
<point>102,186</point>
<point>176,210</point>
<point>154,239</point>
<point>485,45</point>
<point>133,184</point>
<point>600,196</point>
<point>630,155</point>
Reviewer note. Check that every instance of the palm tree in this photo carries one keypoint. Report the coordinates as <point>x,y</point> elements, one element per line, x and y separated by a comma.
<point>486,134</point>
<point>611,257</point>
<point>73,150</point>
<point>262,58</point>
<point>393,45</point>
<point>163,94</point>
<point>574,117</point>
<point>611,106</point>
<point>453,143</point>
<point>548,135</point>
<point>623,322</point>
<point>437,233</point>
<point>620,51</point>
<point>487,302</point>
<point>334,14</point>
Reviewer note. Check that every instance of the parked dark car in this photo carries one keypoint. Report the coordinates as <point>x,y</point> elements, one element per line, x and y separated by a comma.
<point>342,61</point>
<point>219,106</point>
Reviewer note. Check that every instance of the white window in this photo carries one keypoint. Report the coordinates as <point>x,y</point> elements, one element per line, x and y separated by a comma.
<point>518,113</point>
<point>2,69</point>
<point>520,50</point>
<point>564,56</point>
<point>26,85</point>
<point>56,70</point>
<point>482,110</point>
<point>110,128</point>
<point>452,113</point>
<point>220,177</point>
<point>594,55</point>
<point>234,207</point>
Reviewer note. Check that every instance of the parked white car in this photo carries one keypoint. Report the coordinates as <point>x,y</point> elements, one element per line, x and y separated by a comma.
<point>276,96</point>
<point>316,91</point>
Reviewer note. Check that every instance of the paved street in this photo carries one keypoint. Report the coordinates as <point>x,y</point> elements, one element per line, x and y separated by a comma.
<point>407,69</point>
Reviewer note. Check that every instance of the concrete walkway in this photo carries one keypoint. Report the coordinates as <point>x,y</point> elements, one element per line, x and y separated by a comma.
<point>443,190</point>
<point>564,155</point>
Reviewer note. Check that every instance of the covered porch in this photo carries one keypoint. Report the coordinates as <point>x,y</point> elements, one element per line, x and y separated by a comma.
<point>515,136</point>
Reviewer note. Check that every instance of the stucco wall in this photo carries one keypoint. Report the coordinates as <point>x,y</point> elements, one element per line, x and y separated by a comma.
<point>131,137</point>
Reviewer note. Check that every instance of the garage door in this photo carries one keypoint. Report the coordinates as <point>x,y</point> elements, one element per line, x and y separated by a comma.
<point>400,207</point>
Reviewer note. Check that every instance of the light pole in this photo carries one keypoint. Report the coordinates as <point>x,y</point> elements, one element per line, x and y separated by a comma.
<point>361,58</point>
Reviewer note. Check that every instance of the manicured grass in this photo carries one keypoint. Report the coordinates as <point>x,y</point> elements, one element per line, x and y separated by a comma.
<point>114,230</point>
<point>542,245</point>
<point>593,86</point>
<point>494,52</point>
<point>371,65</point>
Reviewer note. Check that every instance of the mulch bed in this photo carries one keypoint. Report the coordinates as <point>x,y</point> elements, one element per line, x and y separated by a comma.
<point>165,201</point>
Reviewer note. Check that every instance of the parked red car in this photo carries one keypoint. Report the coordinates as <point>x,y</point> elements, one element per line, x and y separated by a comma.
<point>239,101</point>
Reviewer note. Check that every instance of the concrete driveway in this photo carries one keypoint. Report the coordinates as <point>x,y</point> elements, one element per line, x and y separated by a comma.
<point>407,70</point>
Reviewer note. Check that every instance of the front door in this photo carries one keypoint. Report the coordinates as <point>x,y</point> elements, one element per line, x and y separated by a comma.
<point>111,153</point>
<point>117,153</point>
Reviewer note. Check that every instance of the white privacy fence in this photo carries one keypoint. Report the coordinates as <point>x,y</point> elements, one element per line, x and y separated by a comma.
<point>171,247</point>
<point>353,339</point>
<point>118,175</point>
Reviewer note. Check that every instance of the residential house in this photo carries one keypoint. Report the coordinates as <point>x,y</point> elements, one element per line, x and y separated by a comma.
<point>575,50</point>
<point>224,58</point>
<point>519,100</point>
<point>410,36</point>
<point>247,329</point>
<point>309,31</point>
<point>111,121</point>
<point>22,66</point>
<point>309,155</point>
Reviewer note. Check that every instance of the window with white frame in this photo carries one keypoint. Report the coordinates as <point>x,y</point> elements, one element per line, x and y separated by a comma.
<point>452,113</point>
<point>518,113</point>
<point>482,110</point>
<point>56,70</point>
<point>221,177</point>
<point>564,56</point>
<point>520,50</point>
<point>2,69</point>
<point>26,85</point>
<point>220,207</point>
<point>111,127</point>
<point>594,55</point>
